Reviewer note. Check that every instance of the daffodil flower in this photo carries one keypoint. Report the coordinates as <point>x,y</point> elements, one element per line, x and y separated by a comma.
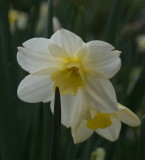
<point>80,70</point>
<point>17,18</point>
<point>107,125</point>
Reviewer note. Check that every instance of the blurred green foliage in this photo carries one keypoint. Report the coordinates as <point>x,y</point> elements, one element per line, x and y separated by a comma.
<point>26,129</point>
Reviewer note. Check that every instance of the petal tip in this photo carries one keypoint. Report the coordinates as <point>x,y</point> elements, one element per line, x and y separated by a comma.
<point>118,52</point>
<point>19,48</point>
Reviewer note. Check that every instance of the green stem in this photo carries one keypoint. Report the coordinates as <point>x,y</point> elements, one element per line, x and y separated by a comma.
<point>55,154</point>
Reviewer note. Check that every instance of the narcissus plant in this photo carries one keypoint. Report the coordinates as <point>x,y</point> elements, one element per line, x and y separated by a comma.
<point>107,125</point>
<point>80,71</point>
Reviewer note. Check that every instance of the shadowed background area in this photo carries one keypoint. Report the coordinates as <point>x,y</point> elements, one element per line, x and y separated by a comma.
<point>26,129</point>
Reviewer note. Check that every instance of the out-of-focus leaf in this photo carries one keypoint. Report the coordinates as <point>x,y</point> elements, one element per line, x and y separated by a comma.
<point>49,22</point>
<point>141,145</point>
<point>113,20</point>
<point>135,97</point>
<point>8,123</point>
<point>34,17</point>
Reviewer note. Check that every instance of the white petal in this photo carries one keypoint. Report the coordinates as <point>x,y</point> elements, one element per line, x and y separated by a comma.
<point>112,132</point>
<point>101,57</point>
<point>68,41</point>
<point>73,109</point>
<point>35,55</point>
<point>35,89</point>
<point>100,94</point>
<point>37,44</point>
<point>80,133</point>
<point>127,116</point>
<point>57,51</point>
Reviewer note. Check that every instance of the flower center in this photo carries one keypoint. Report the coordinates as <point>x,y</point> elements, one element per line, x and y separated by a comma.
<point>69,79</point>
<point>101,120</point>
<point>72,71</point>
